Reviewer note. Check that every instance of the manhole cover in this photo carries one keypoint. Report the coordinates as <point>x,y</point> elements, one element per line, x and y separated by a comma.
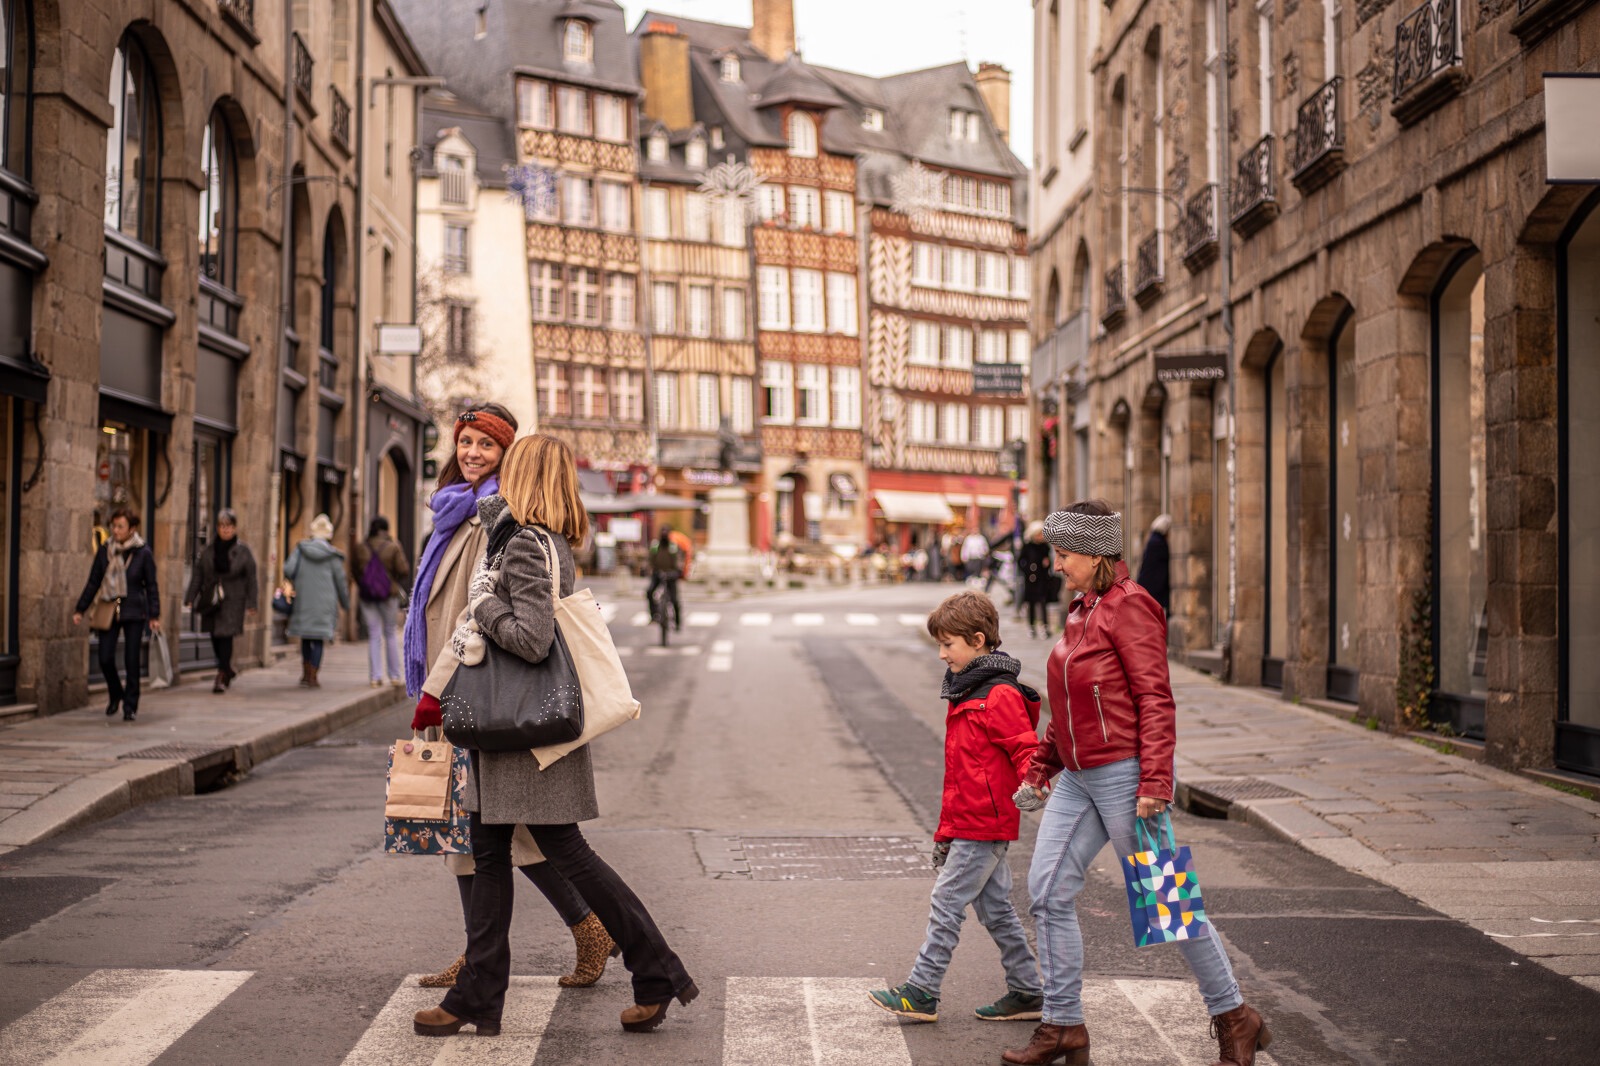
<point>202,756</point>
<point>1239,788</point>
<point>820,858</point>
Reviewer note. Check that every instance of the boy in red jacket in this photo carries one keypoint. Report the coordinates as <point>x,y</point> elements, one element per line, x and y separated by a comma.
<point>990,734</point>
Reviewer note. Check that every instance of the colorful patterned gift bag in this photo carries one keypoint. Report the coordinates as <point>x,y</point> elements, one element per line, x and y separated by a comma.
<point>1163,888</point>
<point>430,836</point>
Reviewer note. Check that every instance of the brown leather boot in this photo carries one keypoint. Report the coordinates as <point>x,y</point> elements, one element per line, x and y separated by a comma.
<point>445,978</point>
<point>594,947</point>
<point>436,1021</point>
<point>1239,1033</point>
<point>305,675</point>
<point>221,682</point>
<point>311,672</point>
<point>1052,1044</point>
<point>643,1017</point>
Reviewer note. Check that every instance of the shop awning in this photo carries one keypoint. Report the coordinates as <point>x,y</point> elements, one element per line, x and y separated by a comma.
<point>630,502</point>
<point>996,502</point>
<point>928,508</point>
<point>594,483</point>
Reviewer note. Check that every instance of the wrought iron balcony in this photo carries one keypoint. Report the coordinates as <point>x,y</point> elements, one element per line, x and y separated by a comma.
<point>1427,59</point>
<point>1116,301</point>
<point>1319,138</point>
<point>1060,355</point>
<point>242,13</point>
<point>1537,19</point>
<point>1255,194</point>
<point>1147,270</point>
<point>302,69</point>
<point>1200,229</point>
<point>339,119</point>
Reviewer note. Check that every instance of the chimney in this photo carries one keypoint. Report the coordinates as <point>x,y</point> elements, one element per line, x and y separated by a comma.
<point>664,70</point>
<point>994,85</point>
<point>772,28</point>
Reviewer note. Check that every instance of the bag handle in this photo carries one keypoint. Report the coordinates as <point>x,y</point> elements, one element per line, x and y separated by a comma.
<point>1150,831</point>
<point>553,560</point>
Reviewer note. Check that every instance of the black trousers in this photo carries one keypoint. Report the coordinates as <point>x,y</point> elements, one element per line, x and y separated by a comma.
<point>223,647</point>
<point>480,990</point>
<point>548,880</point>
<point>133,633</point>
<point>1043,611</point>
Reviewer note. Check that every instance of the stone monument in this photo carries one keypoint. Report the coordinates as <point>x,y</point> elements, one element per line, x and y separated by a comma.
<point>727,552</point>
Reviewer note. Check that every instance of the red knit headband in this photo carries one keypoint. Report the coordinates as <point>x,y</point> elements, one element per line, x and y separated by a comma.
<point>497,428</point>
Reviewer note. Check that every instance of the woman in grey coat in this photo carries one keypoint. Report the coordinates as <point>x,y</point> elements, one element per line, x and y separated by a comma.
<point>223,592</point>
<point>515,610</point>
<point>316,569</point>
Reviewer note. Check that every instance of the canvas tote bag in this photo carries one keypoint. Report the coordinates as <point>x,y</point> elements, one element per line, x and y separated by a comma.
<point>607,696</point>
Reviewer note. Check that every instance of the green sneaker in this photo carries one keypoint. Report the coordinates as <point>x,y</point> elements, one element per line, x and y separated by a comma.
<point>1013,1007</point>
<point>908,1001</point>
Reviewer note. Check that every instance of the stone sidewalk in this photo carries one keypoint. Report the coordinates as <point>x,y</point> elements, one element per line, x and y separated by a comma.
<point>81,766</point>
<point>1514,858</point>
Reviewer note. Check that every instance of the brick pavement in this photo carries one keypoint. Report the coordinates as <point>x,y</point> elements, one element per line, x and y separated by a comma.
<point>1512,857</point>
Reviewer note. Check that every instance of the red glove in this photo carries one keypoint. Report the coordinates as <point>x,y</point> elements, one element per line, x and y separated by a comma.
<point>427,715</point>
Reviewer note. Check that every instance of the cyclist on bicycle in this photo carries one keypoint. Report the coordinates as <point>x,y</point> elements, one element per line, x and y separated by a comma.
<point>666,568</point>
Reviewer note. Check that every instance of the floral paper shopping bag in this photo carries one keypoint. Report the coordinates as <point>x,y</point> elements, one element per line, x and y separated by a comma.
<point>429,836</point>
<point>1163,889</point>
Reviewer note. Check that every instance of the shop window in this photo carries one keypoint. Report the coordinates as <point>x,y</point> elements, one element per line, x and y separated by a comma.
<point>1578,730</point>
<point>133,146</point>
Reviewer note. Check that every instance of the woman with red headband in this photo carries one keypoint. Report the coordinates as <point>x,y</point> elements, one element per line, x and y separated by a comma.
<point>482,434</point>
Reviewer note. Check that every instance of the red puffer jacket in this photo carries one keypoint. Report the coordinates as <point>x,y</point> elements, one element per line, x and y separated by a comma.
<point>989,738</point>
<point>1110,694</point>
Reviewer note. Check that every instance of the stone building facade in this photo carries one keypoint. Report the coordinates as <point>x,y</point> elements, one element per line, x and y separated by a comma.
<point>1405,529</point>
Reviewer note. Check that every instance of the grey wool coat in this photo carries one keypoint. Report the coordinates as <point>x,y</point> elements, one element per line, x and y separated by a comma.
<point>316,569</point>
<point>240,589</point>
<point>508,787</point>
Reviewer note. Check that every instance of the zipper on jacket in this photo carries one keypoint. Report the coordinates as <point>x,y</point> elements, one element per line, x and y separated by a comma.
<point>1066,683</point>
<point>1102,713</point>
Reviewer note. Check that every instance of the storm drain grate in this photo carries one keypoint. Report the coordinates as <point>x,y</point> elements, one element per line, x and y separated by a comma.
<point>817,858</point>
<point>200,755</point>
<point>1241,788</point>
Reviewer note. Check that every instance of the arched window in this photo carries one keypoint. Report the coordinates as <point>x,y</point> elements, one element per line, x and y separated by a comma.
<point>330,274</point>
<point>577,42</point>
<point>133,146</point>
<point>219,204</point>
<point>802,135</point>
<point>1082,282</point>
<point>1344,635</point>
<point>16,86</point>
<point>1052,301</point>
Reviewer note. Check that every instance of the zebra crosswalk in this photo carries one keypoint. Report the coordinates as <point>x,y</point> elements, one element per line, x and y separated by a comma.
<point>131,1017</point>
<point>611,613</point>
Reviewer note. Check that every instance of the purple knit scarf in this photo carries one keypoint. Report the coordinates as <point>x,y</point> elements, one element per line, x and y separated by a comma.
<point>451,506</point>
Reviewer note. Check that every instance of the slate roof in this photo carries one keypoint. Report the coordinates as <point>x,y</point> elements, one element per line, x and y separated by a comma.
<point>492,138</point>
<point>522,36</point>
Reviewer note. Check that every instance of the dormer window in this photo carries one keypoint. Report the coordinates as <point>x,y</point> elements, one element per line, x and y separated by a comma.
<point>872,119</point>
<point>577,42</point>
<point>655,149</point>
<point>730,67</point>
<point>802,135</point>
<point>963,125</point>
<point>694,154</point>
<point>716,137</point>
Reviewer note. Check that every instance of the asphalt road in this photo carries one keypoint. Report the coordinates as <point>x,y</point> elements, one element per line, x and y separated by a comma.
<point>772,807</point>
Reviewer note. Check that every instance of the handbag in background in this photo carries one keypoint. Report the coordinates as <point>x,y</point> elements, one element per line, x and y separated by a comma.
<point>441,830</point>
<point>1163,889</point>
<point>282,602</point>
<point>103,614</point>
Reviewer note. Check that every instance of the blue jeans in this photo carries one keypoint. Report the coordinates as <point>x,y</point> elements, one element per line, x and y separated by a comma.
<point>975,874</point>
<point>311,652</point>
<point>1087,808</point>
<point>383,639</point>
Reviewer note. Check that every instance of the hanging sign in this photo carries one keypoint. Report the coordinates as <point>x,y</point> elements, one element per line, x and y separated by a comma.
<point>1572,154</point>
<point>997,379</point>
<point>1201,364</point>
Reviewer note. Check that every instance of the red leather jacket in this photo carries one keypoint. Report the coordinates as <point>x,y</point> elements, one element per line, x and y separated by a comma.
<point>1110,693</point>
<point>989,739</point>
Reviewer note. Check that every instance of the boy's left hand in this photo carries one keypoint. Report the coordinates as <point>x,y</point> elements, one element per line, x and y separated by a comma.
<point>941,852</point>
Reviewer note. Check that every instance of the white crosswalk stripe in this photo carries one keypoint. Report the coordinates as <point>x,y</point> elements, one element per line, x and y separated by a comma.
<point>608,613</point>
<point>757,618</point>
<point>389,1040</point>
<point>720,661</point>
<point>838,1026</point>
<point>702,619</point>
<point>673,649</point>
<point>913,619</point>
<point>117,1017</point>
<point>807,619</point>
<point>861,619</point>
<point>642,618</point>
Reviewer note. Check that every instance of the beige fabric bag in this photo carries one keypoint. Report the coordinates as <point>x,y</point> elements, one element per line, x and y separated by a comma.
<point>419,779</point>
<point>607,696</point>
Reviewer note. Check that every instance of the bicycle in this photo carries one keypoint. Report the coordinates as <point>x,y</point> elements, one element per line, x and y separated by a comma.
<point>660,601</point>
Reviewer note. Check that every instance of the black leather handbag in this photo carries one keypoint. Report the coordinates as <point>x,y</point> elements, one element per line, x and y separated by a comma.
<point>506,703</point>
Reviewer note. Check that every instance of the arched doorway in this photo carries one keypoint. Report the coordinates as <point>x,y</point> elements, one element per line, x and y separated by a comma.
<point>1578,503</point>
<point>396,497</point>
<point>1460,517</point>
<point>1275,603</point>
<point>1344,533</point>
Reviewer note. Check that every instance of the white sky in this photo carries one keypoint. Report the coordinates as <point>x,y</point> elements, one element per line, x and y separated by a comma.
<point>880,37</point>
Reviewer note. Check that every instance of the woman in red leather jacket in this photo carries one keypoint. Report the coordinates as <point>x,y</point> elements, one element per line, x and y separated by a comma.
<point>1111,738</point>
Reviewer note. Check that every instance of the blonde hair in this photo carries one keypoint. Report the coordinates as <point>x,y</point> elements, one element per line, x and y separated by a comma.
<point>539,480</point>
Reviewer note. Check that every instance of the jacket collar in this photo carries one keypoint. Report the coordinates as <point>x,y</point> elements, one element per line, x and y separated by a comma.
<point>1090,599</point>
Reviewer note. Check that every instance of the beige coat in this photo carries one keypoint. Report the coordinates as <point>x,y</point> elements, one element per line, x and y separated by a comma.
<point>446,608</point>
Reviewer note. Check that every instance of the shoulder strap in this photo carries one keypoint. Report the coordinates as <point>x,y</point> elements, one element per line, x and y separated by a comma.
<point>554,558</point>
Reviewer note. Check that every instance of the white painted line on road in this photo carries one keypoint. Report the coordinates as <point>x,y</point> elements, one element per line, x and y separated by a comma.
<point>720,661</point>
<point>683,649</point>
<point>913,619</point>
<point>757,619</point>
<point>838,1027</point>
<point>625,650</point>
<point>390,1041</point>
<point>640,619</point>
<point>807,619</point>
<point>117,1017</point>
<point>608,612</point>
<point>722,647</point>
<point>703,619</point>
<point>861,619</point>
<point>1175,1014</point>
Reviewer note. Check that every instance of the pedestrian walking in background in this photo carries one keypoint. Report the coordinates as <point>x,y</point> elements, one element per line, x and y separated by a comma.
<point>1112,739</point>
<point>539,498</point>
<point>1154,567</point>
<point>316,569</point>
<point>438,603</point>
<point>974,554</point>
<point>223,592</point>
<point>1038,586</point>
<point>991,725</point>
<point>122,598</point>
<point>381,574</point>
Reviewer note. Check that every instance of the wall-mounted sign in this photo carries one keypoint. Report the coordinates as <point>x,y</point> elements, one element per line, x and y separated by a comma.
<point>399,340</point>
<point>1572,152</point>
<point>997,379</point>
<point>710,477</point>
<point>1203,364</point>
